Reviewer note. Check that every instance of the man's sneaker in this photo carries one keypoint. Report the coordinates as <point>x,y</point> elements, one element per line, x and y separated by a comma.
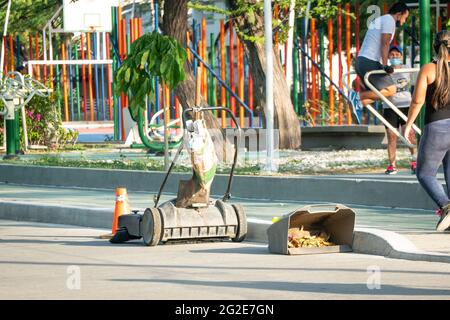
<point>444,221</point>
<point>413,167</point>
<point>356,105</point>
<point>391,170</point>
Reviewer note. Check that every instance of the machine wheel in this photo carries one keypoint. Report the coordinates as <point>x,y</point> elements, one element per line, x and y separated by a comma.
<point>242,223</point>
<point>120,236</point>
<point>151,227</point>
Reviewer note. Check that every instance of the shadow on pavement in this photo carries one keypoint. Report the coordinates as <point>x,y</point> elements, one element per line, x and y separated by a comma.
<point>332,288</point>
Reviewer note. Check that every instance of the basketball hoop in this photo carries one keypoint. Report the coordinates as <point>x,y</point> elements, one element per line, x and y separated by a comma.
<point>88,15</point>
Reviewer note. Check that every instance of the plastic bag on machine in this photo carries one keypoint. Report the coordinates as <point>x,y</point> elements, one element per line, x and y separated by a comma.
<point>200,146</point>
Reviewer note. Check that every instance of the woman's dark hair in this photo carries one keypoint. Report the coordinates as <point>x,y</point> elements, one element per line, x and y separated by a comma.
<point>398,7</point>
<point>441,45</point>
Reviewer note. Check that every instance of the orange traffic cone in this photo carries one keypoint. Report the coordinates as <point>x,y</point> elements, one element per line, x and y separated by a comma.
<point>122,207</point>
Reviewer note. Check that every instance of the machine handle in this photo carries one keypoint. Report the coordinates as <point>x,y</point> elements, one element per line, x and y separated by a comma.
<point>337,206</point>
<point>227,194</point>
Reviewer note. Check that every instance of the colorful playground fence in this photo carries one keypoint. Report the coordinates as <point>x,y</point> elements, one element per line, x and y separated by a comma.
<point>80,69</point>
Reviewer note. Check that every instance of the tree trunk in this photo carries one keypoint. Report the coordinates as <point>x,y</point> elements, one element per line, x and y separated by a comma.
<point>286,120</point>
<point>174,24</point>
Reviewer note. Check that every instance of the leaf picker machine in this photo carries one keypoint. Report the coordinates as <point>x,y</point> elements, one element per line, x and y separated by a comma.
<point>192,215</point>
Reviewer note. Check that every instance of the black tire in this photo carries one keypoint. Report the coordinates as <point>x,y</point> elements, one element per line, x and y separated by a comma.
<point>242,223</point>
<point>151,227</point>
<point>120,236</point>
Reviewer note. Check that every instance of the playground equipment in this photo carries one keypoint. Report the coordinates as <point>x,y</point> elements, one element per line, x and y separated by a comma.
<point>86,89</point>
<point>311,91</point>
<point>211,219</point>
<point>15,92</point>
<point>385,100</point>
<point>151,133</point>
<point>156,133</point>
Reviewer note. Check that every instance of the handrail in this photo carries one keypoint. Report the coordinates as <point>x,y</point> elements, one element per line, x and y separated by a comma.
<point>386,100</point>
<point>377,114</point>
<point>315,64</point>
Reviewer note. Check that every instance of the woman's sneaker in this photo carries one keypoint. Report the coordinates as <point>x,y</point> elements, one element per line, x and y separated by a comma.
<point>391,170</point>
<point>444,221</point>
<point>413,167</point>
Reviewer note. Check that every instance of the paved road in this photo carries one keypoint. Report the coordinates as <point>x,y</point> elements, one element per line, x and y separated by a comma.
<point>41,261</point>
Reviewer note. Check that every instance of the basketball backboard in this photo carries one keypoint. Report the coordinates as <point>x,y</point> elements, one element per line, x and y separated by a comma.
<point>88,15</point>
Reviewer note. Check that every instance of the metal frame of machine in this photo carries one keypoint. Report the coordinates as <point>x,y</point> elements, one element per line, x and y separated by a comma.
<point>218,220</point>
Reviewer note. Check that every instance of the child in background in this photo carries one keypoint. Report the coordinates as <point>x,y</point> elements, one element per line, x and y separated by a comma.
<point>402,100</point>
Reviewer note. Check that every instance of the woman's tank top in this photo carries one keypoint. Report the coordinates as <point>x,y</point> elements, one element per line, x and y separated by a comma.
<point>432,114</point>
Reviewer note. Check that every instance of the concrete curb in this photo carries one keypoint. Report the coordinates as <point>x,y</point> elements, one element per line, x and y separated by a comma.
<point>356,190</point>
<point>56,214</point>
<point>365,240</point>
<point>392,245</point>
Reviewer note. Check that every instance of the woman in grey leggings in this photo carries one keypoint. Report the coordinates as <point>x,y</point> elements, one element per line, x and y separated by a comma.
<point>433,88</point>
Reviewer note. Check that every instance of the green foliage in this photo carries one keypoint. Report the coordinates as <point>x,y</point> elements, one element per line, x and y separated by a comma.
<point>241,7</point>
<point>28,15</point>
<point>152,55</point>
<point>321,9</point>
<point>196,5</point>
<point>44,124</point>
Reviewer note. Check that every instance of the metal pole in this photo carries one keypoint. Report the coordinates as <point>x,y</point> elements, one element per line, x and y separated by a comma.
<point>166,133</point>
<point>330,55</point>
<point>413,45</point>
<point>77,81</point>
<point>156,10</point>
<point>50,44</point>
<point>304,73</point>
<point>313,73</point>
<point>295,92</point>
<point>10,128</point>
<point>269,84</point>
<point>5,30</point>
<point>425,44</point>
<point>323,93</point>
<point>438,14</point>
<point>289,60</point>
<point>44,44</point>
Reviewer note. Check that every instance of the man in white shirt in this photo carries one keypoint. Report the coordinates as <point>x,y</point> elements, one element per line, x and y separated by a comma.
<point>374,55</point>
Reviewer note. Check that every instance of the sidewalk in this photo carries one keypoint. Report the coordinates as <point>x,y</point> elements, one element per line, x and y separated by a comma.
<point>92,132</point>
<point>374,217</point>
<point>372,190</point>
<point>94,208</point>
<point>429,241</point>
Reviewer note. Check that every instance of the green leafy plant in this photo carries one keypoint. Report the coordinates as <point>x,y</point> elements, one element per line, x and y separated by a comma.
<point>152,55</point>
<point>44,124</point>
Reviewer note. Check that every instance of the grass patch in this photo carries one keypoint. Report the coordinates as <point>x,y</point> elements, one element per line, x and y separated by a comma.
<point>310,165</point>
<point>57,161</point>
